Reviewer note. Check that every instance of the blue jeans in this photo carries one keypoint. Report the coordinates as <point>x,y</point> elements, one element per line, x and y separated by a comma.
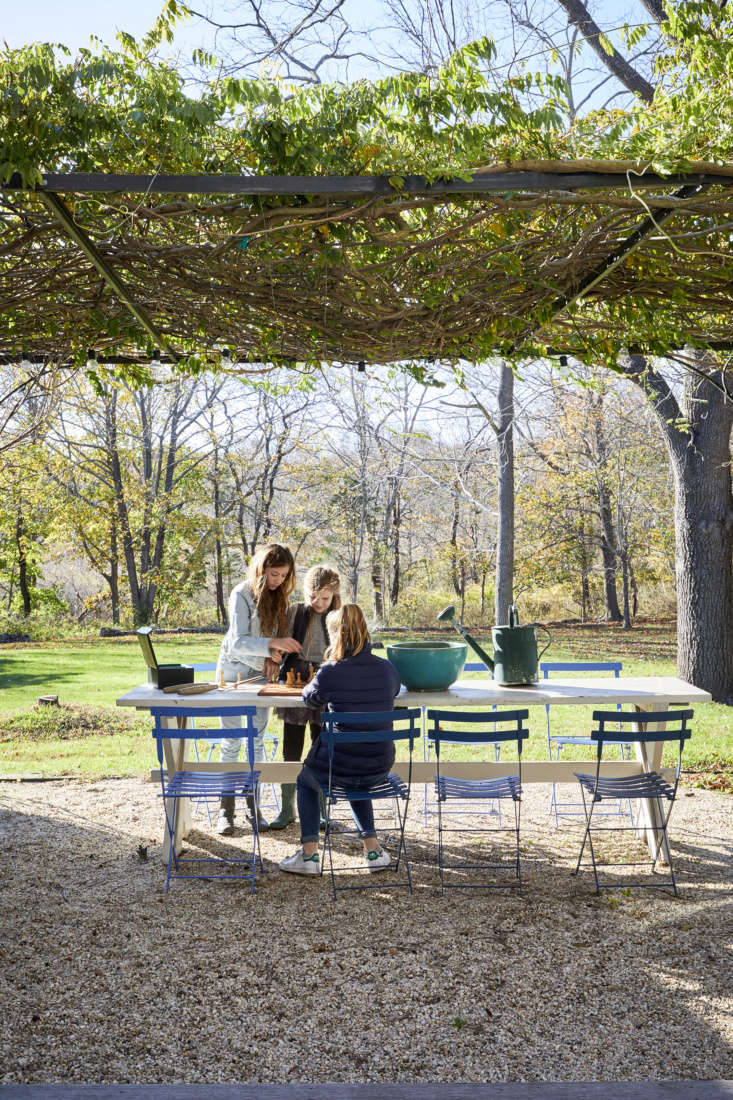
<point>309,789</point>
<point>231,746</point>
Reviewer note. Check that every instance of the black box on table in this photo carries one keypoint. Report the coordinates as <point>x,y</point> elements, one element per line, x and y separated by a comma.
<point>162,676</point>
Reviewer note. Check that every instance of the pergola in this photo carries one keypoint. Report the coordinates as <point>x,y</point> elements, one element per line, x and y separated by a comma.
<point>366,268</point>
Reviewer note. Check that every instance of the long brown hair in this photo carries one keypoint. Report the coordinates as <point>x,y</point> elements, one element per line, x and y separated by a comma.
<point>323,576</point>
<point>348,632</point>
<point>272,604</point>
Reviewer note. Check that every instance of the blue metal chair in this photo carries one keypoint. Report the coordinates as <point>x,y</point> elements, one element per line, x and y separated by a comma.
<point>205,784</point>
<point>649,785</point>
<point>557,742</point>
<point>448,727</point>
<point>398,725</point>
<point>271,742</point>
<point>430,805</point>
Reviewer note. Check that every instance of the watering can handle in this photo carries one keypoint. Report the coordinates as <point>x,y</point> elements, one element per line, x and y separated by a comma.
<point>513,615</point>
<point>541,626</point>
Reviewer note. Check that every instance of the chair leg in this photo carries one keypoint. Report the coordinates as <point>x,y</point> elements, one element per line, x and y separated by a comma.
<point>586,834</point>
<point>517,821</point>
<point>402,847</point>
<point>440,847</point>
<point>172,857</point>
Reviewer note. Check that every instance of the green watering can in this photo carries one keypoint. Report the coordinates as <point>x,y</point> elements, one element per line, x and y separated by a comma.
<point>515,648</point>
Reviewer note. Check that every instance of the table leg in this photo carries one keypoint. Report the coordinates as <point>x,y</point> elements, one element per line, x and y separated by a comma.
<point>174,751</point>
<point>649,756</point>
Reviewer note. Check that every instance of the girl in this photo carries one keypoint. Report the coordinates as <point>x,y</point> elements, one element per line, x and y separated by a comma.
<point>258,621</point>
<point>307,624</point>
<point>351,680</point>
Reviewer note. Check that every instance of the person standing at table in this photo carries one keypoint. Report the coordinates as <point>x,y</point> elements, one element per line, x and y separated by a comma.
<point>257,637</point>
<point>307,624</point>
<point>351,679</point>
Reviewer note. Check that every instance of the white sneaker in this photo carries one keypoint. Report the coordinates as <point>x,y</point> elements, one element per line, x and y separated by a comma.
<point>377,860</point>
<point>301,864</point>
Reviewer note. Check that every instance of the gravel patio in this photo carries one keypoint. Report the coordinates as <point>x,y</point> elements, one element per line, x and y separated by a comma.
<point>105,979</point>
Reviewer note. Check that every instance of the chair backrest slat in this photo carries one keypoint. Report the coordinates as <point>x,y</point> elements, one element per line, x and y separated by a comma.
<point>442,723</point>
<point>675,724</point>
<point>370,726</point>
<point>580,666</point>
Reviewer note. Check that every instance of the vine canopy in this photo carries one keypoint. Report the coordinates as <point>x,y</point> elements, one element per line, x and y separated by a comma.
<point>440,217</point>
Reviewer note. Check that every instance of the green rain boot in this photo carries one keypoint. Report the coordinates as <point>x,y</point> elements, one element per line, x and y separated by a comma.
<point>287,807</point>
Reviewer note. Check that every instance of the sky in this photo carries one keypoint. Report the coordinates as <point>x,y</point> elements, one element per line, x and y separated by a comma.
<point>74,21</point>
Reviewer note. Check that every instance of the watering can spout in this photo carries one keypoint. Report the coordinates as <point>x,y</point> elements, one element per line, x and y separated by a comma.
<point>448,615</point>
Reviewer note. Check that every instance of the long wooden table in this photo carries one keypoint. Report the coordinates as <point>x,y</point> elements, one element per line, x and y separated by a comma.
<point>644,693</point>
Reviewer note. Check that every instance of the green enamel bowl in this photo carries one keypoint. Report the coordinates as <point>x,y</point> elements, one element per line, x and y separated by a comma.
<point>427,666</point>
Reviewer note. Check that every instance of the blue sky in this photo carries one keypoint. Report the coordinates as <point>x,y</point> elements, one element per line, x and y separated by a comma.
<point>73,22</point>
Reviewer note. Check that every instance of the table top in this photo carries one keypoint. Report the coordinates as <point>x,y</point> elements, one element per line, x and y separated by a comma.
<point>646,691</point>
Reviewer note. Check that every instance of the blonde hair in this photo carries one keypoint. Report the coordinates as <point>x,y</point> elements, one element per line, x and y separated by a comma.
<point>272,605</point>
<point>323,576</point>
<point>348,632</point>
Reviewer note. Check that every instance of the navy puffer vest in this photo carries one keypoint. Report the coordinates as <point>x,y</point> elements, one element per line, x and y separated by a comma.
<point>360,683</point>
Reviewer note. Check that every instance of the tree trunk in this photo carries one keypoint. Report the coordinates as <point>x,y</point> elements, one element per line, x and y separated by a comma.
<point>20,541</point>
<point>377,591</point>
<point>396,521</point>
<point>454,570</point>
<point>608,555</point>
<point>505,523</point>
<point>114,573</point>
<point>698,440</point>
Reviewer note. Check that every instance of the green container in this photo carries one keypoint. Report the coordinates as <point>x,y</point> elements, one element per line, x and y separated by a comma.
<point>427,666</point>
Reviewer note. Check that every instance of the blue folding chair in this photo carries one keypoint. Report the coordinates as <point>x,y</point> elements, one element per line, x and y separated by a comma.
<point>271,742</point>
<point>430,805</point>
<point>442,730</point>
<point>206,785</point>
<point>557,741</point>
<point>398,725</point>
<point>649,785</point>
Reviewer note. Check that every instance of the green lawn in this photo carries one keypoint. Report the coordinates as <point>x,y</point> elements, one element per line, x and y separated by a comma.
<point>118,742</point>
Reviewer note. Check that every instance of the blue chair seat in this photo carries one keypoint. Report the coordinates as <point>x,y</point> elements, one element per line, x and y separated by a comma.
<point>648,785</point>
<point>391,787</point>
<point>507,786</point>
<point>187,784</point>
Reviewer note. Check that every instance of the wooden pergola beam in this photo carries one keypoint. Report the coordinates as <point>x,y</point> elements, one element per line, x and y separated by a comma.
<point>96,182</point>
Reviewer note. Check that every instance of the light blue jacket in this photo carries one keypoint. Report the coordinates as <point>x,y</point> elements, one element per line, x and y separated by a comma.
<point>243,642</point>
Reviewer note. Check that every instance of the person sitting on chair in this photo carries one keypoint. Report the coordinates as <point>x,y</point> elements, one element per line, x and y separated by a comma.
<point>351,679</point>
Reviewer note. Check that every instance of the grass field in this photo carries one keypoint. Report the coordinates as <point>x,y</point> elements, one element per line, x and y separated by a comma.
<point>94,739</point>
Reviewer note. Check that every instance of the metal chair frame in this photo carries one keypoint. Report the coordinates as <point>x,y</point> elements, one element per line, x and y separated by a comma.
<point>648,785</point>
<point>271,742</point>
<point>558,741</point>
<point>486,790</point>
<point>366,726</point>
<point>430,806</point>
<point>205,784</point>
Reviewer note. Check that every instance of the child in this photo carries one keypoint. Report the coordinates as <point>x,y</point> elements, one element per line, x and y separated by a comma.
<point>258,623</point>
<point>350,680</point>
<point>307,624</point>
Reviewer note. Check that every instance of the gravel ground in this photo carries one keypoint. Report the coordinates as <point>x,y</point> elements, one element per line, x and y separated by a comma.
<point>105,979</point>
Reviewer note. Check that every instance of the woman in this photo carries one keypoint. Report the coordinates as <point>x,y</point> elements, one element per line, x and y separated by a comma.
<point>352,679</point>
<point>258,623</point>
<point>307,624</point>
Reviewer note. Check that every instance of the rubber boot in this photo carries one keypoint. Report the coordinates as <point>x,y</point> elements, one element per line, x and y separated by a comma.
<point>287,807</point>
<point>225,823</point>
<point>262,825</point>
